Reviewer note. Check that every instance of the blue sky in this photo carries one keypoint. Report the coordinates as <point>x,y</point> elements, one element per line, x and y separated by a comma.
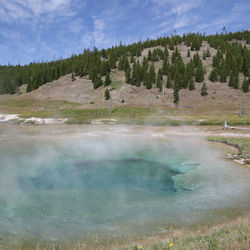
<point>42,30</point>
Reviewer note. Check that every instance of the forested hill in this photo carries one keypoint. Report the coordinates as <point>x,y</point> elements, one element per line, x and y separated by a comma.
<point>231,59</point>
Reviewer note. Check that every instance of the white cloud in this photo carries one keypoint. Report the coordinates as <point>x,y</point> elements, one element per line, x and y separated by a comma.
<point>99,37</point>
<point>236,13</point>
<point>76,26</point>
<point>182,22</point>
<point>175,14</point>
<point>22,10</point>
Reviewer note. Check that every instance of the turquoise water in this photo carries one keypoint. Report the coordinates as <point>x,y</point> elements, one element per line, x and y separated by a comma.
<point>81,185</point>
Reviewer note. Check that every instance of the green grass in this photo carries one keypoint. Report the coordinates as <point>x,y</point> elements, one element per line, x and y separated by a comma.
<point>234,235</point>
<point>116,84</point>
<point>230,235</point>
<point>158,116</point>
<point>242,143</point>
<point>232,120</point>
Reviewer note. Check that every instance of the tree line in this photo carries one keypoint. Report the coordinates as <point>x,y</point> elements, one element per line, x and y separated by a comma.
<point>231,59</point>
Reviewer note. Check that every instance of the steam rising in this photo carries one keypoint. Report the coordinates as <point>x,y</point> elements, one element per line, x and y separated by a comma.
<point>110,180</point>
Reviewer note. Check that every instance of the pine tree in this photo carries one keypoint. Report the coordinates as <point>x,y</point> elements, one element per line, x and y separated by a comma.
<point>147,81</point>
<point>97,82</point>
<point>199,76</point>
<point>166,53</point>
<point>73,77</point>
<point>120,64</point>
<point>204,55</point>
<point>191,85</point>
<point>171,44</point>
<point>215,61</point>
<point>165,67</point>
<point>159,80</point>
<point>107,94</point>
<point>152,74</point>
<point>134,75</point>
<point>213,77</point>
<point>169,82</point>
<point>186,79</point>
<point>150,56</point>
<point>127,75</point>
<point>208,52</point>
<point>245,85</point>
<point>246,65</point>
<point>145,63</point>
<point>154,56</point>
<point>231,80</point>
<point>223,75</point>
<point>236,81</point>
<point>107,79</point>
<point>28,88</point>
<point>176,92</point>
<point>188,53</point>
<point>204,90</point>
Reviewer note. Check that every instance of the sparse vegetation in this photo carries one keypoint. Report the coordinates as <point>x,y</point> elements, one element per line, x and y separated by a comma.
<point>204,90</point>
<point>230,235</point>
<point>230,58</point>
<point>107,94</point>
<point>242,143</point>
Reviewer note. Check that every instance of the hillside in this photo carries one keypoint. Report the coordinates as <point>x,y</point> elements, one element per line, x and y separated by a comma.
<point>167,74</point>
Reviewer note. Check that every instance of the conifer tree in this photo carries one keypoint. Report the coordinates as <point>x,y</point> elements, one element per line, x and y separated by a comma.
<point>159,79</point>
<point>188,53</point>
<point>246,64</point>
<point>204,55</point>
<point>197,60</point>
<point>73,77</point>
<point>145,63</point>
<point>223,75</point>
<point>245,85</point>
<point>199,76</point>
<point>28,88</point>
<point>152,74</point>
<point>193,46</point>
<point>166,53</point>
<point>208,52</point>
<point>107,94</point>
<point>125,63</point>
<point>231,80</point>
<point>169,82</point>
<point>191,85</point>
<point>236,81</point>
<point>186,79</point>
<point>147,81</point>
<point>134,75</point>
<point>213,77</point>
<point>176,92</point>
<point>120,64</point>
<point>127,75</point>
<point>171,44</point>
<point>150,56</point>
<point>215,61</point>
<point>165,67</point>
<point>107,79</point>
<point>97,82</point>
<point>204,90</point>
<point>154,57</point>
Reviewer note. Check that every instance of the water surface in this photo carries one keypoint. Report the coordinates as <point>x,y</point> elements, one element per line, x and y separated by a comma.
<point>111,181</point>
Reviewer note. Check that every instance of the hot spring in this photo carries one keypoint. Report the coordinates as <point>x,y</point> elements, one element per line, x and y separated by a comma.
<point>112,181</point>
